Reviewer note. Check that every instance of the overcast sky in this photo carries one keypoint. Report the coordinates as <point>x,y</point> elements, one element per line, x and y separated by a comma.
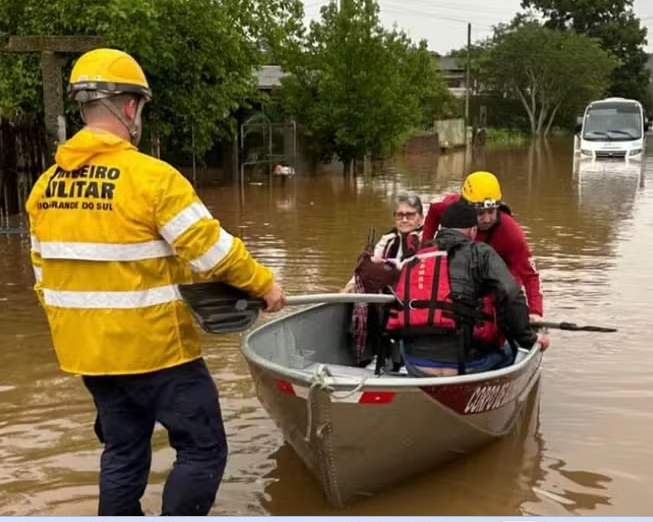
<point>444,23</point>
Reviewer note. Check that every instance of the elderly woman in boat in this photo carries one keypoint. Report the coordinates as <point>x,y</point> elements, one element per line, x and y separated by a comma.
<point>405,237</point>
<point>400,242</point>
<point>377,269</point>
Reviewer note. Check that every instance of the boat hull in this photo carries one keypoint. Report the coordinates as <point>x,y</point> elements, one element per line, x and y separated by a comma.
<point>358,433</point>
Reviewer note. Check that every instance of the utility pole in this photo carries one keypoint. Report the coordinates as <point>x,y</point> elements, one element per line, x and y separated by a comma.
<point>468,67</point>
<point>52,50</point>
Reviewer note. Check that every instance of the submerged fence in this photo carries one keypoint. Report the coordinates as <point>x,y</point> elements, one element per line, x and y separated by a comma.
<point>22,160</point>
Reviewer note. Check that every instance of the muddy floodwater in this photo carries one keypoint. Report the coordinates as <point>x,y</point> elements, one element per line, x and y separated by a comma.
<point>584,449</point>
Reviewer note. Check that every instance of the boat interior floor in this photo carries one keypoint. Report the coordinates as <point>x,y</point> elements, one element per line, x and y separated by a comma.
<point>318,337</point>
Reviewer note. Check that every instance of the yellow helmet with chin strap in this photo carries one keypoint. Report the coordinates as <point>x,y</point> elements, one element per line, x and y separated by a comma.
<point>103,73</point>
<point>482,190</point>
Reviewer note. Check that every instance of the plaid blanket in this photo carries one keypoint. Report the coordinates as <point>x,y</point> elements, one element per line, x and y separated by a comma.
<point>369,277</point>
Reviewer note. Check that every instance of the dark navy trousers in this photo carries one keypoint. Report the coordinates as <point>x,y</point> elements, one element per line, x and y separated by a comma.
<point>184,400</point>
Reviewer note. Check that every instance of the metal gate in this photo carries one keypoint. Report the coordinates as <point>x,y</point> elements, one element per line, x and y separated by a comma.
<point>264,144</point>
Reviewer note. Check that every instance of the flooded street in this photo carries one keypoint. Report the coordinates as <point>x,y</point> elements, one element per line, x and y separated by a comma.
<point>584,450</point>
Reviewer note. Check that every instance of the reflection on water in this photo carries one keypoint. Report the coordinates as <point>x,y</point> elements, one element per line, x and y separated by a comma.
<point>583,448</point>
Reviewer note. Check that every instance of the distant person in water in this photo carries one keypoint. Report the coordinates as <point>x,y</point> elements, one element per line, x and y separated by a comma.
<point>283,170</point>
<point>399,242</point>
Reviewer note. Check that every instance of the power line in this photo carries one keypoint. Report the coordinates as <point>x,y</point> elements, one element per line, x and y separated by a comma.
<point>418,7</point>
<point>477,24</point>
<point>386,6</point>
<point>433,14</point>
<point>436,16</point>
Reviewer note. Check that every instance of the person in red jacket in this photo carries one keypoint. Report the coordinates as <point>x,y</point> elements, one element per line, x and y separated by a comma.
<point>498,228</point>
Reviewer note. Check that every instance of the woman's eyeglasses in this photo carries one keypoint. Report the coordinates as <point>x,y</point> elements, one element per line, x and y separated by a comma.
<point>405,215</point>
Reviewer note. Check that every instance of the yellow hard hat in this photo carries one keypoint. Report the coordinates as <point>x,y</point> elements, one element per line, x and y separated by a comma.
<point>482,189</point>
<point>101,73</point>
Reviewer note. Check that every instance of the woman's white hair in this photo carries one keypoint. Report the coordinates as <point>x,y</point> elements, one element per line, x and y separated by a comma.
<point>412,200</point>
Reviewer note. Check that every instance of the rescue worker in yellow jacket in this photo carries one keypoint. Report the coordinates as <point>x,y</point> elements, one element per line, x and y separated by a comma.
<point>114,231</point>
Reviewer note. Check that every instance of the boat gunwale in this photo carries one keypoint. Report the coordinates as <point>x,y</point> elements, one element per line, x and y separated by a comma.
<point>373,381</point>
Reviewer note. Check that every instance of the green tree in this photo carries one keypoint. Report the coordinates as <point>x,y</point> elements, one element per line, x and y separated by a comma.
<point>20,86</point>
<point>199,55</point>
<point>358,88</point>
<point>435,99</point>
<point>620,32</point>
<point>544,69</point>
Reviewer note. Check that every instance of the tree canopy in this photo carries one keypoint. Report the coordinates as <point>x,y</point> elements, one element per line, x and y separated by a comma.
<point>619,32</point>
<point>544,69</point>
<point>358,87</point>
<point>199,55</point>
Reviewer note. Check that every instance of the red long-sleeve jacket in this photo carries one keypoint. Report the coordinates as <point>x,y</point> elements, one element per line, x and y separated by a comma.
<point>508,239</point>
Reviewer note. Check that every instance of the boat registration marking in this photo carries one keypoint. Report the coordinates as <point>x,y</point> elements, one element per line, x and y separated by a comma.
<point>491,397</point>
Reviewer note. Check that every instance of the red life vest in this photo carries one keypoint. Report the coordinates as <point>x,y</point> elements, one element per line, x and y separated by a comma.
<point>423,287</point>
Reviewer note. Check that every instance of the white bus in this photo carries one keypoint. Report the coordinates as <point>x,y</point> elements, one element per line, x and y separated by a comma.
<point>613,128</point>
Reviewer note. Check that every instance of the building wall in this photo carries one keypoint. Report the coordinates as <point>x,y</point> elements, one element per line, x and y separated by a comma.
<point>451,133</point>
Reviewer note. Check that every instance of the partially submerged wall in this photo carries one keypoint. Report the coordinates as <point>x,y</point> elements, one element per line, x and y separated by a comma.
<point>451,133</point>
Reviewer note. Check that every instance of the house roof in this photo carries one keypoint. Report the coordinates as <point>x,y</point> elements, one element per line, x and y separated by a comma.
<point>449,63</point>
<point>269,76</point>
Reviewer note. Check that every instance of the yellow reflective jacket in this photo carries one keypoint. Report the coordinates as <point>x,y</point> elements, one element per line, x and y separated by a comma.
<point>114,231</point>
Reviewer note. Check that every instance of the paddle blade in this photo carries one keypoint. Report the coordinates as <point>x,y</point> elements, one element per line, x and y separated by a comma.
<point>588,328</point>
<point>572,327</point>
<point>219,308</point>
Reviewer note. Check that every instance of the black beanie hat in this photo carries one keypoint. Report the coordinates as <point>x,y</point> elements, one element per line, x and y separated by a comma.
<point>459,215</point>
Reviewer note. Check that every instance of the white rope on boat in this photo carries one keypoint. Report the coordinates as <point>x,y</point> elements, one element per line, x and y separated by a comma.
<point>318,381</point>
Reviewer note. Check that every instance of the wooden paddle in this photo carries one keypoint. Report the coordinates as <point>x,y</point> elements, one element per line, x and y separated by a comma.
<point>219,308</point>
